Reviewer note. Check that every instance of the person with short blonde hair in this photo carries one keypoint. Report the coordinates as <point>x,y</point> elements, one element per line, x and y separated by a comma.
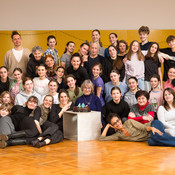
<point>88,98</point>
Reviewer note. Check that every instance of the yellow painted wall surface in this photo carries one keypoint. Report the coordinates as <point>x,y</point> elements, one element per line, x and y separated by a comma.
<point>33,38</point>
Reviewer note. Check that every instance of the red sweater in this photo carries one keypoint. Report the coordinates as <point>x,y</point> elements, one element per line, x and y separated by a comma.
<point>140,118</point>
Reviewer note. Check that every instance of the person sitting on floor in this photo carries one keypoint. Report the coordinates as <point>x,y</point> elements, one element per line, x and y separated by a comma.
<point>133,131</point>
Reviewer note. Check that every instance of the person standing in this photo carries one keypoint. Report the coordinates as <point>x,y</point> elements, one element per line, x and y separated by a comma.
<point>17,56</point>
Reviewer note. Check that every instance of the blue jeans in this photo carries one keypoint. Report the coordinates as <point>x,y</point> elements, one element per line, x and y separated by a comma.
<point>141,83</point>
<point>160,140</point>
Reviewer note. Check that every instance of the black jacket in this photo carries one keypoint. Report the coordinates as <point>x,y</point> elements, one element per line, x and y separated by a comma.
<point>32,66</point>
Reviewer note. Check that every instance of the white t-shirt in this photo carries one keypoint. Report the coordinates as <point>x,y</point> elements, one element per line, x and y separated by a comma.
<point>41,86</point>
<point>55,99</point>
<point>17,54</point>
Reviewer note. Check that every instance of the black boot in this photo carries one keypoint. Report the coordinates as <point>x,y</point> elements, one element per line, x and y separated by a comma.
<point>34,142</point>
<point>13,142</point>
<point>40,144</point>
<point>18,141</point>
<point>15,135</point>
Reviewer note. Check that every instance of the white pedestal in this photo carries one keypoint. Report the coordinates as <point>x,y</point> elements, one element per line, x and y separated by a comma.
<point>82,126</point>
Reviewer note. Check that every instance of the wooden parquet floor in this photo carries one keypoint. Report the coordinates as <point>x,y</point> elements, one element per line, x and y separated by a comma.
<point>88,158</point>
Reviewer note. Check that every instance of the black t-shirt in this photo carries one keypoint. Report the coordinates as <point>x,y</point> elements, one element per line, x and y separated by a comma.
<point>121,57</point>
<point>4,86</point>
<point>145,46</point>
<point>167,63</point>
<point>91,61</point>
<point>80,74</point>
<point>151,68</point>
<point>122,108</point>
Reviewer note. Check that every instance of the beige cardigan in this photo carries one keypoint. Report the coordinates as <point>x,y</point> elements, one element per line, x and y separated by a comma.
<point>11,63</point>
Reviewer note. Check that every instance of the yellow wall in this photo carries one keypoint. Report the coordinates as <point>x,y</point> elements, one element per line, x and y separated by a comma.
<point>33,38</point>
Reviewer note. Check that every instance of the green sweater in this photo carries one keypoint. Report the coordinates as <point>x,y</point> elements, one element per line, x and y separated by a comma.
<point>72,95</point>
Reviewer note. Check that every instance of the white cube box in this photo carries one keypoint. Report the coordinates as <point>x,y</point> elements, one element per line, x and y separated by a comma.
<point>82,126</point>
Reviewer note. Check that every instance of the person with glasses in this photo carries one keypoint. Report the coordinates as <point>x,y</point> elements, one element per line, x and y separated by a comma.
<point>133,131</point>
<point>88,98</point>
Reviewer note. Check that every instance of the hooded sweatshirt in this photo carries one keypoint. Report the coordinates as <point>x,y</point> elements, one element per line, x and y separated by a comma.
<point>32,66</point>
<point>22,98</point>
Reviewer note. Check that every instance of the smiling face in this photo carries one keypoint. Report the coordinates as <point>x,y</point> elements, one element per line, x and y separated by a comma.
<point>17,75</point>
<point>53,86</point>
<point>31,104</point>
<point>168,97</point>
<point>135,47</point>
<point>95,36</point>
<point>116,95</point>
<point>112,52</point>
<point>133,84</point>
<point>122,47</point>
<point>171,73</point>
<point>71,82</point>
<point>142,100</point>
<point>84,50</point>
<point>49,62</point>
<point>60,72</point>
<point>28,86</point>
<point>37,54</point>
<point>114,77</point>
<point>154,82</point>
<point>172,43</point>
<point>63,98</point>
<point>4,112</point>
<point>76,62</point>
<point>113,39</point>
<point>143,36</point>
<point>87,90</point>
<point>16,40</point>
<point>48,101</point>
<point>94,49</point>
<point>6,98</point>
<point>51,43</point>
<point>153,49</point>
<point>42,71</point>
<point>116,123</point>
<point>96,71</point>
<point>3,73</point>
<point>70,47</point>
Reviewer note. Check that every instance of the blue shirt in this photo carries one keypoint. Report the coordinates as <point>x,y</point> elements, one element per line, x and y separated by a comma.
<point>108,86</point>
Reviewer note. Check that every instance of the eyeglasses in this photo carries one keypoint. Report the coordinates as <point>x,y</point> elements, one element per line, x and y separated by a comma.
<point>115,123</point>
<point>87,88</point>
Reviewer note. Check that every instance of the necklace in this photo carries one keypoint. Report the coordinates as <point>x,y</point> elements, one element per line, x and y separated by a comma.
<point>88,102</point>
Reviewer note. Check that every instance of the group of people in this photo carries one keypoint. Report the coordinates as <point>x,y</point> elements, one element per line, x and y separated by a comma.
<point>124,83</point>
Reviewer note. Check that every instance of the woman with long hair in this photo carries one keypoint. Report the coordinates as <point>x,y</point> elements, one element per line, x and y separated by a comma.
<point>170,83</point>
<point>152,65</point>
<point>166,112</point>
<point>77,70</point>
<point>57,110</point>
<point>66,57</point>
<point>113,62</point>
<point>74,91</point>
<point>134,65</point>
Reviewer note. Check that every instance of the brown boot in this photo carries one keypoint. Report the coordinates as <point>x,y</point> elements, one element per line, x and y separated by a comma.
<point>3,137</point>
<point>3,144</point>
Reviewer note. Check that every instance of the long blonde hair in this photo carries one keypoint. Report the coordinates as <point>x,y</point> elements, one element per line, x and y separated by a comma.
<point>140,56</point>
